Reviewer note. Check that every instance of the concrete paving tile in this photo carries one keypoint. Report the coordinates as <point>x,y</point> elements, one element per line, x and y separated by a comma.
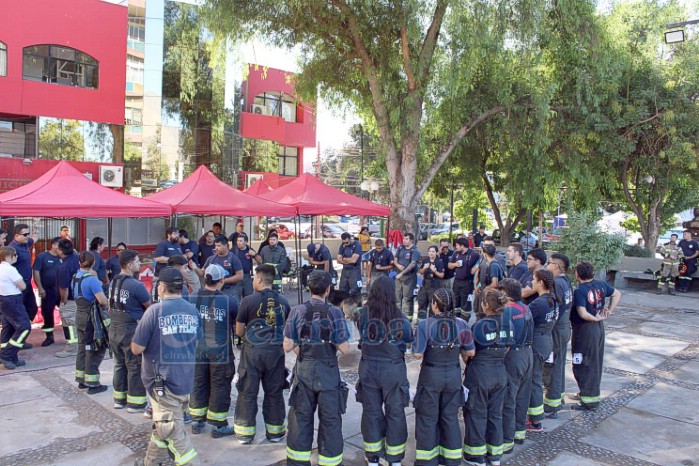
<point>621,322</point>
<point>648,437</point>
<point>687,373</point>
<point>688,332</point>
<point>55,421</point>
<point>570,459</point>
<point>18,388</point>
<point>683,318</point>
<point>112,453</point>
<point>630,343</point>
<point>668,401</point>
<point>630,360</point>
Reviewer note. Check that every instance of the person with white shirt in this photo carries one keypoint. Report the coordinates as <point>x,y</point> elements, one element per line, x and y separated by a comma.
<point>15,322</point>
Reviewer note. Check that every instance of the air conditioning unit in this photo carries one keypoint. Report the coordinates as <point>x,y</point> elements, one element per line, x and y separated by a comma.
<point>260,109</point>
<point>112,176</point>
<point>250,179</point>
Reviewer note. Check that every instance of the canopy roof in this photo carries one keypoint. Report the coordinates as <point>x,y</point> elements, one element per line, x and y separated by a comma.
<point>313,197</point>
<point>258,188</point>
<point>66,193</point>
<point>202,193</point>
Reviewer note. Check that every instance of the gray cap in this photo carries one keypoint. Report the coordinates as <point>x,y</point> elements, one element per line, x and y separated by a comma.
<point>216,272</point>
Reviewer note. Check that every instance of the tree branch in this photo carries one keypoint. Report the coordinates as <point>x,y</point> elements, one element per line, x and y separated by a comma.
<point>627,194</point>
<point>383,120</point>
<point>460,134</point>
<point>406,58</point>
<point>430,42</point>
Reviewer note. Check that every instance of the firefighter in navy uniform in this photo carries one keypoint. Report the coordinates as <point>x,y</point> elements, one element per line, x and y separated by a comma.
<point>486,380</point>
<point>350,256</point>
<point>587,343</point>
<point>380,262</point>
<point>128,300</point>
<point>44,273</point>
<point>315,331</point>
<point>544,311</point>
<point>383,387</point>
<point>215,367</point>
<point>518,363</point>
<point>554,373</point>
<point>405,262</point>
<point>690,250</point>
<point>260,323</point>
<point>432,271</point>
<point>440,342</point>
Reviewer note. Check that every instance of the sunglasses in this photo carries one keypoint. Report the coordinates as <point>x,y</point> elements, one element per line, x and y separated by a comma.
<point>25,234</point>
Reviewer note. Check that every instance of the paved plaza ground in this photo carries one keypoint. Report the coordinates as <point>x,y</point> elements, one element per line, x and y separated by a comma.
<point>649,415</point>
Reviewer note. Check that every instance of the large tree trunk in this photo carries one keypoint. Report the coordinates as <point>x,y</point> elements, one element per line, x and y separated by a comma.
<point>118,147</point>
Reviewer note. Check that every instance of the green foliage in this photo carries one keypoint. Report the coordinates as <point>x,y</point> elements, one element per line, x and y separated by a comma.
<point>583,240</point>
<point>631,224</point>
<point>260,156</point>
<point>634,250</point>
<point>61,140</point>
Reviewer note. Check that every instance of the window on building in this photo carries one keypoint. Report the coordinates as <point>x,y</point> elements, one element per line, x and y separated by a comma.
<point>275,104</point>
<point>137,33</point>
<point>134,70</point>
<point>60,65</point>
<point>3,59</point>
<point>288,161</point>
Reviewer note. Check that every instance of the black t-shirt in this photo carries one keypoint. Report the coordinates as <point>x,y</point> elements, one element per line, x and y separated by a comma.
<point>689,248</point>
<point>168,249</point>
<point>264,314</point>
<point>518,271</point>
<point>448,273</point>
<point>428,275</point>
<point>592,296</point>
<point>470,259</point>
<point>47,264</point>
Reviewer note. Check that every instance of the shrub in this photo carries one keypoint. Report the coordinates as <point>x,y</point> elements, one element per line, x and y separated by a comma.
<point>634,250</point>
<point>584,240</point>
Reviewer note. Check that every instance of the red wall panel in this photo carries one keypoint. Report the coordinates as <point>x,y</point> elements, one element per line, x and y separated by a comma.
<point>91,26</point>
<point>300,134</point>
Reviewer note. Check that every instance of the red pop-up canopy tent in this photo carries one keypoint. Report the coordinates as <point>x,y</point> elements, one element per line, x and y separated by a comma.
<point>66,193</point>
<point>313,197</point>
<point>202,193</point>
<point>258,188</point>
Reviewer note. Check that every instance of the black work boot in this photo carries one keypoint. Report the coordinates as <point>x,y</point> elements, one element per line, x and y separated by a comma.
<point>49,340</point>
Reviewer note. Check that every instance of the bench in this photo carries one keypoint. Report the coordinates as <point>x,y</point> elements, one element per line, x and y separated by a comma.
<point>625,278</point>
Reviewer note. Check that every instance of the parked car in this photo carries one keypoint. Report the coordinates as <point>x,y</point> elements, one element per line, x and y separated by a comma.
<point>283,231</point>
<point>553,235</point>
<point>423,232</point>
<point>520,236</point>
<point>443,228</point>
<point>330,230</point>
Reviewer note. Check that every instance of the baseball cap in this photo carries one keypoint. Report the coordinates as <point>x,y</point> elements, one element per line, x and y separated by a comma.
<point>216,272</point>
<point>171,275</point>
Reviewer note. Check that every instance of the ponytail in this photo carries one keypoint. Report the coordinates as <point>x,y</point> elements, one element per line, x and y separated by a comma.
<point>546,277</point>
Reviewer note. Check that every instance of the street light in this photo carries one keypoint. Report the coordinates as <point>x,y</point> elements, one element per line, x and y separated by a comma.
<point>674,37</point>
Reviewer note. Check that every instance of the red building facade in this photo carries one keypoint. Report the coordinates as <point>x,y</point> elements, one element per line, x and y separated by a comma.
<point>63,59</point>
<point>272,112</point>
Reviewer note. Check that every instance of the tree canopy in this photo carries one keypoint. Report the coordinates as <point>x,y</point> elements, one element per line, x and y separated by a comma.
<point>517,98</point>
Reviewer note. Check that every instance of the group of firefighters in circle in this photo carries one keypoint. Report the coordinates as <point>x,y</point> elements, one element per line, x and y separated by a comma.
<point>178,357</point>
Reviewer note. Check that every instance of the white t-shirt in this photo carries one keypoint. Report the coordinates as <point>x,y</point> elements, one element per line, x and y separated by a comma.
<point>8,277</point>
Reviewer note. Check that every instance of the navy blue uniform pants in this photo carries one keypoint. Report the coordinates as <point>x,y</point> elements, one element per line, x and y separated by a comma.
<point>260,364</point>
<point>211,395</point>
<point>462,289</point>
<point>542,347</point>
<point>383,391</point>
<point>89,358</point>
<point>128,386</point>
<point>518,364</point>
<point>486,381</point>
<point>437,401</point>
<point>555,373</point>
<point>15,326</point>
<point>316,387</point>
<point>588,343</point>
<point>48,306</point>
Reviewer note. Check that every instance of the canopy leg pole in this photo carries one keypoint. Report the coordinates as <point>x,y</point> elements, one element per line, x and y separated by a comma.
<point>110,224</point>
<point>297,245</point>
